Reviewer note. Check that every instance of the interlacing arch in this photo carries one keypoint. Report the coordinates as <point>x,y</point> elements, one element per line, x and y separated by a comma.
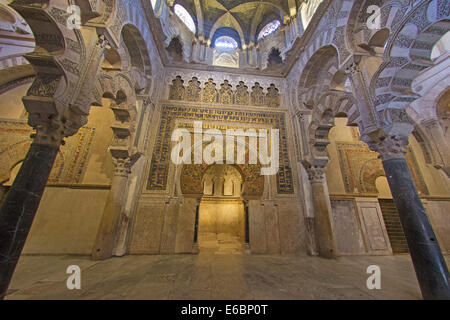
<point>57,58</point>
<point>111,83</point>
<point>317,75</point>
<point>414,29</point>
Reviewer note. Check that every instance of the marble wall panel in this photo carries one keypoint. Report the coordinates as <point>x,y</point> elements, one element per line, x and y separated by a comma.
<point>348,230</point>
<point>170,225</point>
<point>291,228</point>
<point>147,227</point>
<point>439,215</point>
<point>186,224</point>
<point>272,227</point>
<point>372,226</point>
<point>257,227</point>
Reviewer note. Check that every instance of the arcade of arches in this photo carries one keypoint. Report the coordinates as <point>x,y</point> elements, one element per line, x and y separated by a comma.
<point>89,105</point>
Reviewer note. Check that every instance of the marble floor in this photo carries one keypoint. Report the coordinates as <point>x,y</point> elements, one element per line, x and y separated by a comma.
<point>214,276</point>
<point>222,243</point>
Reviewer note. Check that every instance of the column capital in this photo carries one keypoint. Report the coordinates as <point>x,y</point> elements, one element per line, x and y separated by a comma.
<point>52,131</point>
<point>316,174</point>
<point>390,147</point>
<point>300,114</point>
<point>122,166</point>
<point>123,162</point>
<point>353,69</point>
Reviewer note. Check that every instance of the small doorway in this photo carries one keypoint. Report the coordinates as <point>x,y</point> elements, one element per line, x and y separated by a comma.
<point>221,220</point>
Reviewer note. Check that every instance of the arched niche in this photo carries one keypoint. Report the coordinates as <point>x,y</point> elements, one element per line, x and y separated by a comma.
<point>222,180</point>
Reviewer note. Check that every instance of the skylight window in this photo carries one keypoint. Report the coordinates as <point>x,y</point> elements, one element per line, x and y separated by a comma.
<point>268,29</point>
<point>225,43</point>
<point>182,13</point>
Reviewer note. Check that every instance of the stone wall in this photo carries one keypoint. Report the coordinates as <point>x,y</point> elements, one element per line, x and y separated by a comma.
<point>67,221</point>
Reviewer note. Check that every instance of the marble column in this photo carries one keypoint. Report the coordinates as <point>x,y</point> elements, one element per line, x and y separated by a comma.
<point>325,238</point>
<point>362,96</point>
<point>21,203</point>
<point>123,158</point>
<point>107,233</point>
<point>429,264</point>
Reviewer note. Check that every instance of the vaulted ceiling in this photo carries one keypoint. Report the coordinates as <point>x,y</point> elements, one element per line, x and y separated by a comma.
<point>246,17</point>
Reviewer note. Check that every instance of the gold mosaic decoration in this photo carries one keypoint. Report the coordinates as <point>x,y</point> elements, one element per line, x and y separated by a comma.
<point>160,164</point>
<point>210,92</point>
<point>241,96</point>
<point>272,97</point>
<point>225,95</point>
<point>192,177</point>
<point>193,90</point>
<point>360,168</point>
<point>177,89</point>
<point>257,95</point>
<point>70,162</point>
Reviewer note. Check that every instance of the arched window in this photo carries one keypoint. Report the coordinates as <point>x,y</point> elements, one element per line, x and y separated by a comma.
<point>225,43</point>
<point>182,13</point>
<point>268,29</point>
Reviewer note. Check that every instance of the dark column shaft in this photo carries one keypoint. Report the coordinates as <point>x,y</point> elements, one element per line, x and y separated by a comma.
<point>20,206</point>
<point>197,208</point>
<point>429,264</point>
<point>247,227</point>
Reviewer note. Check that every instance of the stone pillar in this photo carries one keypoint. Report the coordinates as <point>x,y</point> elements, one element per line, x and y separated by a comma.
<point>362,96</point>
<point>106,235</point>
<point>429,264</point>
<point>22,201</point>
<point>325,239</point>
<point>123,159</point>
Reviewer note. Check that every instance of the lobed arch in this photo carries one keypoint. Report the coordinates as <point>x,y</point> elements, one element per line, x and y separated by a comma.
<point>189,183</point>
<point>330,105</point>
<point>112,86</point>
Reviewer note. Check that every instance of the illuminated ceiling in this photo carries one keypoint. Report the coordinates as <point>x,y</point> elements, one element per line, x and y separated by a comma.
<point>246,17</point>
